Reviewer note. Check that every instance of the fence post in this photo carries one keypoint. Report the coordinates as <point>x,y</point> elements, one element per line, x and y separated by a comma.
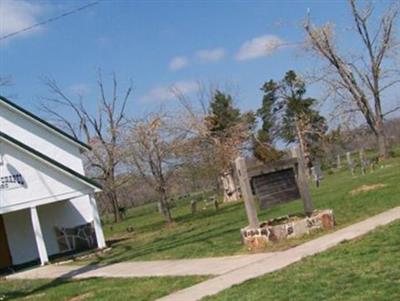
<point>247,194</point>
<point>302,181</point>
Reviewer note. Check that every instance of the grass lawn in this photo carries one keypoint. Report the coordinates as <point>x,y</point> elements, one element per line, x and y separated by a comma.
<point>364,269</point>
<point>211,233</point>
<point>139,289</point>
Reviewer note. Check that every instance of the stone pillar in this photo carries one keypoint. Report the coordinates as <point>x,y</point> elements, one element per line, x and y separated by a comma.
<point>302,181</point>
<point>247,194</point>
<point>37,230</point>
<point>101,243</point>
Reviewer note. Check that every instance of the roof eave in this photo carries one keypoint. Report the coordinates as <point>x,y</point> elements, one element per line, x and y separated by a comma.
<point>16,108</point>
<point>96,186</point>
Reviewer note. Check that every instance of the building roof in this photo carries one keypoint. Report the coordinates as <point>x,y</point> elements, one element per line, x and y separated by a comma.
<point>39,120</point>
<point>50,161</point>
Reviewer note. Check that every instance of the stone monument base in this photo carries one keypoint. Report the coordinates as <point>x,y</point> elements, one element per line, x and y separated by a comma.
<point>287,227</point>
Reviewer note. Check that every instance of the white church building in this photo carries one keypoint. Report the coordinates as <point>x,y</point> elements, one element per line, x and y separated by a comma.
<point>47,204</point>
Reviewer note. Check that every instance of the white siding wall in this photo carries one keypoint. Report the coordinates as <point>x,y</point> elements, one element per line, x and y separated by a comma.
<point>21,239</point>
<point>41,181</point>
<point>40,138</point>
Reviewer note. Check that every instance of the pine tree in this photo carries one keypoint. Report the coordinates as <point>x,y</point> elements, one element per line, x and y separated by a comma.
<point>287,114</point>
<point>228,132</point>
<point>222,114</point>
<point>263,148</point>
<point>301,122</point>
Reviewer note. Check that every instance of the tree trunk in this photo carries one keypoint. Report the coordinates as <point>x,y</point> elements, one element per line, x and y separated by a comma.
<point>382,143</point>
<point>164,206</point>
<point>112,196</point>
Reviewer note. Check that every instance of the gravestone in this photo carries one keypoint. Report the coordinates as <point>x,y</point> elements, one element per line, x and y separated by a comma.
<point>338,162</point>
<point>193,206</point>
<point>231,193</point>
<point>363,162</point>
<point>350,163</point>
<point>317,174</point>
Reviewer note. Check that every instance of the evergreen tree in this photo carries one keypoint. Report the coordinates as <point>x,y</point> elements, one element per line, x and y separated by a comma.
<point>301,122</point>
<point>289,115</point>
<point>228,132</point>
<point>263,148</point>
<point>223,116</point>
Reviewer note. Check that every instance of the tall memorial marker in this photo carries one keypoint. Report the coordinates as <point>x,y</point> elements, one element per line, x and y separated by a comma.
<point>274,183</point>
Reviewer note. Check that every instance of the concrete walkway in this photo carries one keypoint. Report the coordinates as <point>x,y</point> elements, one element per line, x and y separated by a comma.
<point>157,268</point>
<point>282,259</point>
<point>229,270</point>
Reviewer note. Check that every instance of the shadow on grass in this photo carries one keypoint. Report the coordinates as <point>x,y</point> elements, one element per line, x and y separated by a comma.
<point>188,217</point>
<point>64,279</point>
<point>192,234</point>
<point>167,243</point>
<point>196,232</point>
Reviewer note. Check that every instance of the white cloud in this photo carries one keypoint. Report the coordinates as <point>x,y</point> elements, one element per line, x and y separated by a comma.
<point>210,55</point>
<point>258,47</point>
<point>178,62</point>
<point>164,93</point>
<point>17,15</point>
<point>80,89</point>
<point>202,56</point>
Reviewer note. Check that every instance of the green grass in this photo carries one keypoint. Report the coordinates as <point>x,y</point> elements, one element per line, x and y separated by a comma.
<point>364,269</point>
<point>211,233</point>
<point>118,289</point>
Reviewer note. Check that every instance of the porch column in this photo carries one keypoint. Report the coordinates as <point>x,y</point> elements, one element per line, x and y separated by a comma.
<point>37,230</point>
<point>101,243</point>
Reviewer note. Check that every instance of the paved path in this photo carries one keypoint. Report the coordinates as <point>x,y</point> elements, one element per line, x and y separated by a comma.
<point>203,266</point>
<point>229,270</point>
<point>282,259</point>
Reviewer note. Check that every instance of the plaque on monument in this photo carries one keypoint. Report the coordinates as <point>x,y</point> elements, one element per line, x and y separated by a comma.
<point>275,182</point>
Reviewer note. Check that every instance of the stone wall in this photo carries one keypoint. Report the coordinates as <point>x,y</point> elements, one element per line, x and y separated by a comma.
<point>287,227</point>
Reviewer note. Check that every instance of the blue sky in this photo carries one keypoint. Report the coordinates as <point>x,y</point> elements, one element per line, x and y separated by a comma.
<point>159,44</point>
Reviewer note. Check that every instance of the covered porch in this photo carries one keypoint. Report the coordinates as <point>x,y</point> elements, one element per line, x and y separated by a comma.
<point>35,233</point>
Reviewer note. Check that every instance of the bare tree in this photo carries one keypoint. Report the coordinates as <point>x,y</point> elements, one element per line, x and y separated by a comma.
<point>101,130</point>
<point>153,147</point>
<point>361,79</point>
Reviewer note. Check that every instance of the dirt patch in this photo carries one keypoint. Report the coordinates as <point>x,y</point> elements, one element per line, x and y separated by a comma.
<point>81,297</point>
<point>366,188</point>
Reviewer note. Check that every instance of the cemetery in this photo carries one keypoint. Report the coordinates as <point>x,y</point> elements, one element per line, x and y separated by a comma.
<point>193,235</point>
<point>177,155</point>
<point>210,233</point>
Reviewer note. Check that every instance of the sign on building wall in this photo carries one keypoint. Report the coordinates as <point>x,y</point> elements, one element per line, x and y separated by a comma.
<point>12,181</point>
